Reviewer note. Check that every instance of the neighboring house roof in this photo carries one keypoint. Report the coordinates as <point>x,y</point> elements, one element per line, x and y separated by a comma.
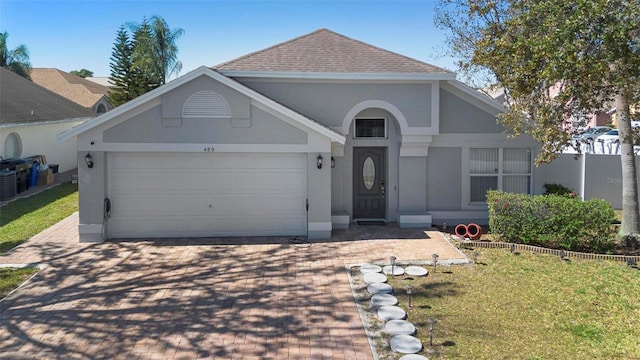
<point>22,101</point>
<point>81,91</point>
<point>158,92</point>
<point>324,51</point>
<point>100,80</point>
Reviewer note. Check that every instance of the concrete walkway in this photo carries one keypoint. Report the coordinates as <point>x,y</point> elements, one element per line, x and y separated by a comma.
<point>235,298</point>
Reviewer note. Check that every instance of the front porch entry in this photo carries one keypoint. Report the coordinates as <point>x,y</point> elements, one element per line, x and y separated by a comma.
<point>369,183</point>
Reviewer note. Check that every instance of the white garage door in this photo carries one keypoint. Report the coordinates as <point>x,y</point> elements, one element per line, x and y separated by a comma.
<point>206,195</point>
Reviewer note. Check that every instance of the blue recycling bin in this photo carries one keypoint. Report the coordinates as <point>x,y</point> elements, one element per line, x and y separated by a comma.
<point>35,168</point>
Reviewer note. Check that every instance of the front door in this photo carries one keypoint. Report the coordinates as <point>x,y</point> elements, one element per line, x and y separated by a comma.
<point>369,178</point>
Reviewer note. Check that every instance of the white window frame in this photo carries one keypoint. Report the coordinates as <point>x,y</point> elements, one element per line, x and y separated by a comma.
<point>466,173</point>
<point>386,128</point>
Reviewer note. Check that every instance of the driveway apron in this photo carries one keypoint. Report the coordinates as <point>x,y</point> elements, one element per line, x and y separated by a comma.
<point>222,298</point>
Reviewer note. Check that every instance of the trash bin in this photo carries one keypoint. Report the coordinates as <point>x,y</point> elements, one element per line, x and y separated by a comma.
<point>22,176</point>
<point>33,179</point>
<point>7,184</point>
<point>54,167</point>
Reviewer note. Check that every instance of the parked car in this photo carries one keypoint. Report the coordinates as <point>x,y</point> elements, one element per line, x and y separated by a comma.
<point>611,137</point>
<point>591,133</point>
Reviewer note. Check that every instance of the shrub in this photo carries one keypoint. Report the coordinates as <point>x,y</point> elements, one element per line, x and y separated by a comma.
<point>554,221</point>
<point>557,189</point>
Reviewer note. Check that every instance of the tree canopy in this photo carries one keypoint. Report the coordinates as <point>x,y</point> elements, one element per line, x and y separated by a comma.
<point>83,73</point>
<point>555,60</point>
<point>17,59</point>
<point>143,58</point>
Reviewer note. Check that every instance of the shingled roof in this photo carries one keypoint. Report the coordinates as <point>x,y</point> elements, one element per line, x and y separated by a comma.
<point>324,51</point>
<point>81,91</point>
<point>22,101</point>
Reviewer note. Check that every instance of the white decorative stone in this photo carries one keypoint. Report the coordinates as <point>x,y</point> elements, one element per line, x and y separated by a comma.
<point>379,288</point>
<point>416,271</point>
<point>374,278</point>
<point>370,268</point>
<point>383,299</point>
<point>413,357</point>
<point>397,270</point>
<point>387,313</point>
<point>405,344</point>
<point>399,327</point>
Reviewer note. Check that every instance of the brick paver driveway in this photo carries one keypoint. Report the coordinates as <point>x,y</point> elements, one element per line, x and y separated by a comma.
<point>250,298</point>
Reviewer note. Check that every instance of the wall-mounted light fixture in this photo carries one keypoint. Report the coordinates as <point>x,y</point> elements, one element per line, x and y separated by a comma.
<point>319,163</point>
<point>333,162</point>
<point>89,160</point>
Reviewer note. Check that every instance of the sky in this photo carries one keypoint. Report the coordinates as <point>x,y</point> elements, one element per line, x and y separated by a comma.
<point>75,34</point>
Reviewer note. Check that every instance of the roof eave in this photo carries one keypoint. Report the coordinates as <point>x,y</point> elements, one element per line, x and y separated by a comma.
<point>382,76</point>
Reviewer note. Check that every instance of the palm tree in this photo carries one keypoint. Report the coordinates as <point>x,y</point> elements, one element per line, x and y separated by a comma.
<point>16,60</point>
<point>165,48</point>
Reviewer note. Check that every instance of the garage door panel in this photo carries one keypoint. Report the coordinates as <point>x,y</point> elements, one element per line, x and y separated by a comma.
<point>182,195</point>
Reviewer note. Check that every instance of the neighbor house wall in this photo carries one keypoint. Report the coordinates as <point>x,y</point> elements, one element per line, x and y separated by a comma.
<point>40,139</point>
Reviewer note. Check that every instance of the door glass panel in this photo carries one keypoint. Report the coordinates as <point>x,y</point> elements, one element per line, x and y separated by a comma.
<point>368,173</point>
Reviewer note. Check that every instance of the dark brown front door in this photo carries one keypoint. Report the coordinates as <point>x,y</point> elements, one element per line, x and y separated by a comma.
<point>369,174</point>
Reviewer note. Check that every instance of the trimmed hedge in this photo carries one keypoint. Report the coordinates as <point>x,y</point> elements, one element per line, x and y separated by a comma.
<point>553,221</point>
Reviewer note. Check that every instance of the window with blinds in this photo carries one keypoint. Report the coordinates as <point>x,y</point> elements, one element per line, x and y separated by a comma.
<point>506,169</point>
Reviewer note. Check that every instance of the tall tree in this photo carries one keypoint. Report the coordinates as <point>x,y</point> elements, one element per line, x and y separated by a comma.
<point>143,62</point>
<point>121,76</point>
<point>83,73</point>
<point>155,49</point>
<point>555,59</point>
<point>165,48</point>
<point>16,60</point>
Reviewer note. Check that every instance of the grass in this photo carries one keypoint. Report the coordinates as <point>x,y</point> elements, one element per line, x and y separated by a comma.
<point>26,217</point>
<point>527,306</point>
<point>11,278</point>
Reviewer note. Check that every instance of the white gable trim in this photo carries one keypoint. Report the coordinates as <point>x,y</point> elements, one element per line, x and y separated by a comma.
<point>156,93</point>
<point>44,122</point>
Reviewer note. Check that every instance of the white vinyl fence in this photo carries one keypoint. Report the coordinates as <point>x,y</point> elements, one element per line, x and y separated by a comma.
<point>591,175</point>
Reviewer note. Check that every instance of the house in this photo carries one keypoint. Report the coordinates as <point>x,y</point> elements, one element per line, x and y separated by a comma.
<point>101,80</point>
<point>84,92</point>
<point>30,118</point>
<point>576,122</point>
<point>300,138</point>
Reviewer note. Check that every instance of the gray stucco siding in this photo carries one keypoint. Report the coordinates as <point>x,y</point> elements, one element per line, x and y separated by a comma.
<point>148,128</point>
<point>459,116</point>
<point>329,103</point>
<point>413,184</point>
<point>444,179</point>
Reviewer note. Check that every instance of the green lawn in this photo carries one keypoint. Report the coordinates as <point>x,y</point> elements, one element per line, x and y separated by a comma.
<point>528,306</point>
<point>11,278</point>
<point>24,218</point>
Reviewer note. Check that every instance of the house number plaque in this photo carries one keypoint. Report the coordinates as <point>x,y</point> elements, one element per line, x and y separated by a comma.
<point>209,149</point>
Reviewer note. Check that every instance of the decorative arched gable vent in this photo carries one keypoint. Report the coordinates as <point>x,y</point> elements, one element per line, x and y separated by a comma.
<point>206,104</point>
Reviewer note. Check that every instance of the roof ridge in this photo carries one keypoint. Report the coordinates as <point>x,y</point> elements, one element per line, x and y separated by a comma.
<point>267,48</point>
<point>326,51</point>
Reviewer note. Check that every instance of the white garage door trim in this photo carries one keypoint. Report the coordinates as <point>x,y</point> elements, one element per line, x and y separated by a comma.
<point>172,195</point>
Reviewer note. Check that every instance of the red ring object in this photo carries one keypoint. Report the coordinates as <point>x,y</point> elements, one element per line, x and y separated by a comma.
<point>474,231</point>
<point>462,233</point>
